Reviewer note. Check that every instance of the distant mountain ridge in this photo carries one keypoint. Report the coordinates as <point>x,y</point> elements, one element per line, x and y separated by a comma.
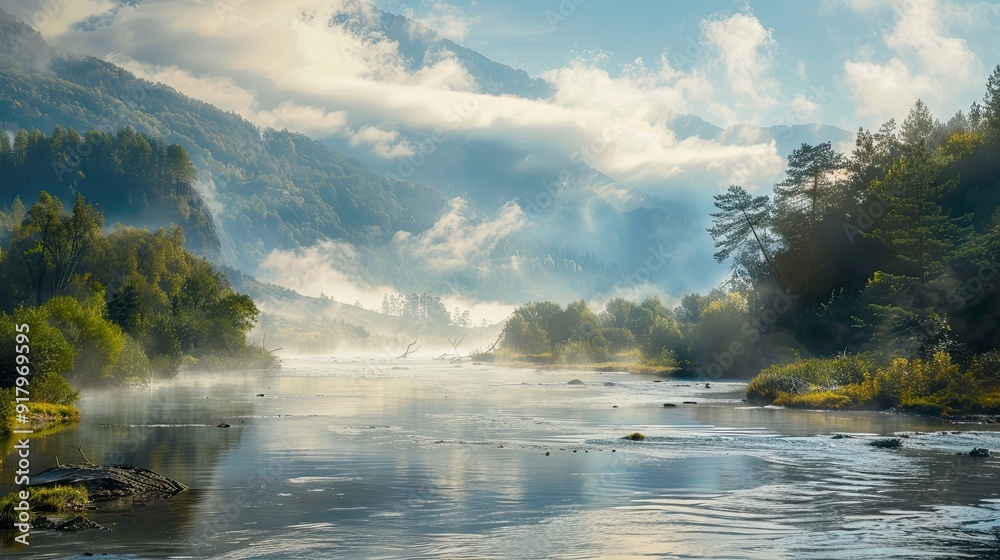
<point>273,189</point>
<point>585,233</point>
<point>419,44</point>
<point>22,42</point>
<point>786,137</point>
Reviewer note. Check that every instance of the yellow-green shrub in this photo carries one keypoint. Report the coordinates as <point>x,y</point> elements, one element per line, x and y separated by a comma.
<point>936,385</point>
<point>55,499</point>
<point>985,370</point>
<point>814,399</point>
<point>805,375</point>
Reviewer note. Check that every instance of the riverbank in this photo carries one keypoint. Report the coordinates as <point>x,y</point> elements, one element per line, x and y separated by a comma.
<point>547,362</point>
<point>934,387</point>
<point>42,418</point>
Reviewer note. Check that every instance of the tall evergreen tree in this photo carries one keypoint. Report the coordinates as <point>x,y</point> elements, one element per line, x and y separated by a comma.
<point>741,230</point>
<point>803,199</point>
<point>917,232</point>
<point>990,109</point>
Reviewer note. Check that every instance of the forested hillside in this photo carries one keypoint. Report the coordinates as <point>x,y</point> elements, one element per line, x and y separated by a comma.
<point>134,179</point>
<point>279,189</point>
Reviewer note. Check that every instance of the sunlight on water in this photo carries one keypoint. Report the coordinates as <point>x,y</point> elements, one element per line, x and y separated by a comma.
<point>412,459</point>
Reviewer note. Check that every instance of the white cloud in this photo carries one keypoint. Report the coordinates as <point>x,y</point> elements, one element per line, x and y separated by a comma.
<point>883,88</point>
<point>927,62</point>
<point>803,109</point>
<point>629,135</point>
<point>289,68</point>
<point>744,44</point>
<point>385,143</point>
<point>329,268</point>
<point>446,19</point>
<point>457,240</point>
<point>220,91</point>
<point>919,29</point>
<point>56,16</point>
<point>226,94</point>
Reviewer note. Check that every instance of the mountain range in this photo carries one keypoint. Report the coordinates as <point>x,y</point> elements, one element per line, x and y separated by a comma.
<point>476,218</point>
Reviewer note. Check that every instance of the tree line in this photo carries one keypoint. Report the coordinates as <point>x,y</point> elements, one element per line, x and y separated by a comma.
<point>888,252</point>
<point>111,308</point>
<point>132,177</point>
<point>888,248</point>
<point>427,308</point>
<point>128,289</point>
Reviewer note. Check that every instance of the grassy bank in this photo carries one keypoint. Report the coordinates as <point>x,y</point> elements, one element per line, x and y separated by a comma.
<point>935,385</point>
<point>628,362</point>
<point>52,500</point>
<point>42,418</point>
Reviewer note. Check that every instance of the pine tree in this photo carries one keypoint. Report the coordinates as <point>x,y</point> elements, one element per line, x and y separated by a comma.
<point>6,150</point>
<point>20,151</point>
<point>17,212</point>
<point>918,129</point>
<point>740,230</point>
<point>918,233</point>
<point>990,109</point>
<point>803,199</point>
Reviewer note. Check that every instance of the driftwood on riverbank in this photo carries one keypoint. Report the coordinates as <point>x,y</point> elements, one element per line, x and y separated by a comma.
<point>111,482</point>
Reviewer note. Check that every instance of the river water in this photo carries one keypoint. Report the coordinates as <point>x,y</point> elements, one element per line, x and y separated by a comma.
<point>353,458</point>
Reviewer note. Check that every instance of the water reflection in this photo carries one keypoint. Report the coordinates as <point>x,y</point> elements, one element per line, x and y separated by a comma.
<point>356,461</point>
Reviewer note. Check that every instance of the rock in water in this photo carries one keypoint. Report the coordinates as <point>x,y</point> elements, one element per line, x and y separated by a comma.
<point>111,482</point>
<point>575,382</point>
<point>979,452</point>
<point>887,443</point>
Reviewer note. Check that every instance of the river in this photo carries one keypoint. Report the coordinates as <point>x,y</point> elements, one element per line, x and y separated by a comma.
<point>353,458</point>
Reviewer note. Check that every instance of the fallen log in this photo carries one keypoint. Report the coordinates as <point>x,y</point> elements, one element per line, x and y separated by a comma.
<point>111,482</point>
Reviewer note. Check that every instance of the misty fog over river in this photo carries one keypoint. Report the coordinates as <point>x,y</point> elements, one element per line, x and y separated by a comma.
<point>415,458</point>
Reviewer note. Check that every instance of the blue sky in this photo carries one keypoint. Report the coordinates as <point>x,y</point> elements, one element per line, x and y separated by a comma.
<point>811,41</point>
<point>635,67</point>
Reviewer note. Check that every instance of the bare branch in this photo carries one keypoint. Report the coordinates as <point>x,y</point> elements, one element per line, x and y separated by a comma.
<point>455,343</point>
<point>408,349</point>
<point>80,449</point>
<point>492,346</point>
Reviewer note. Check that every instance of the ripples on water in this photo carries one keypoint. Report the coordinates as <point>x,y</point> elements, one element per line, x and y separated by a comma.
<point>364,460</point>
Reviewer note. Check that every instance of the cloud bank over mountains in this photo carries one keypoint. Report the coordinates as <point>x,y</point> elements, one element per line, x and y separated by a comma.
<point>331,68</point>
<point>323,68</point>
<point>627,141</point>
